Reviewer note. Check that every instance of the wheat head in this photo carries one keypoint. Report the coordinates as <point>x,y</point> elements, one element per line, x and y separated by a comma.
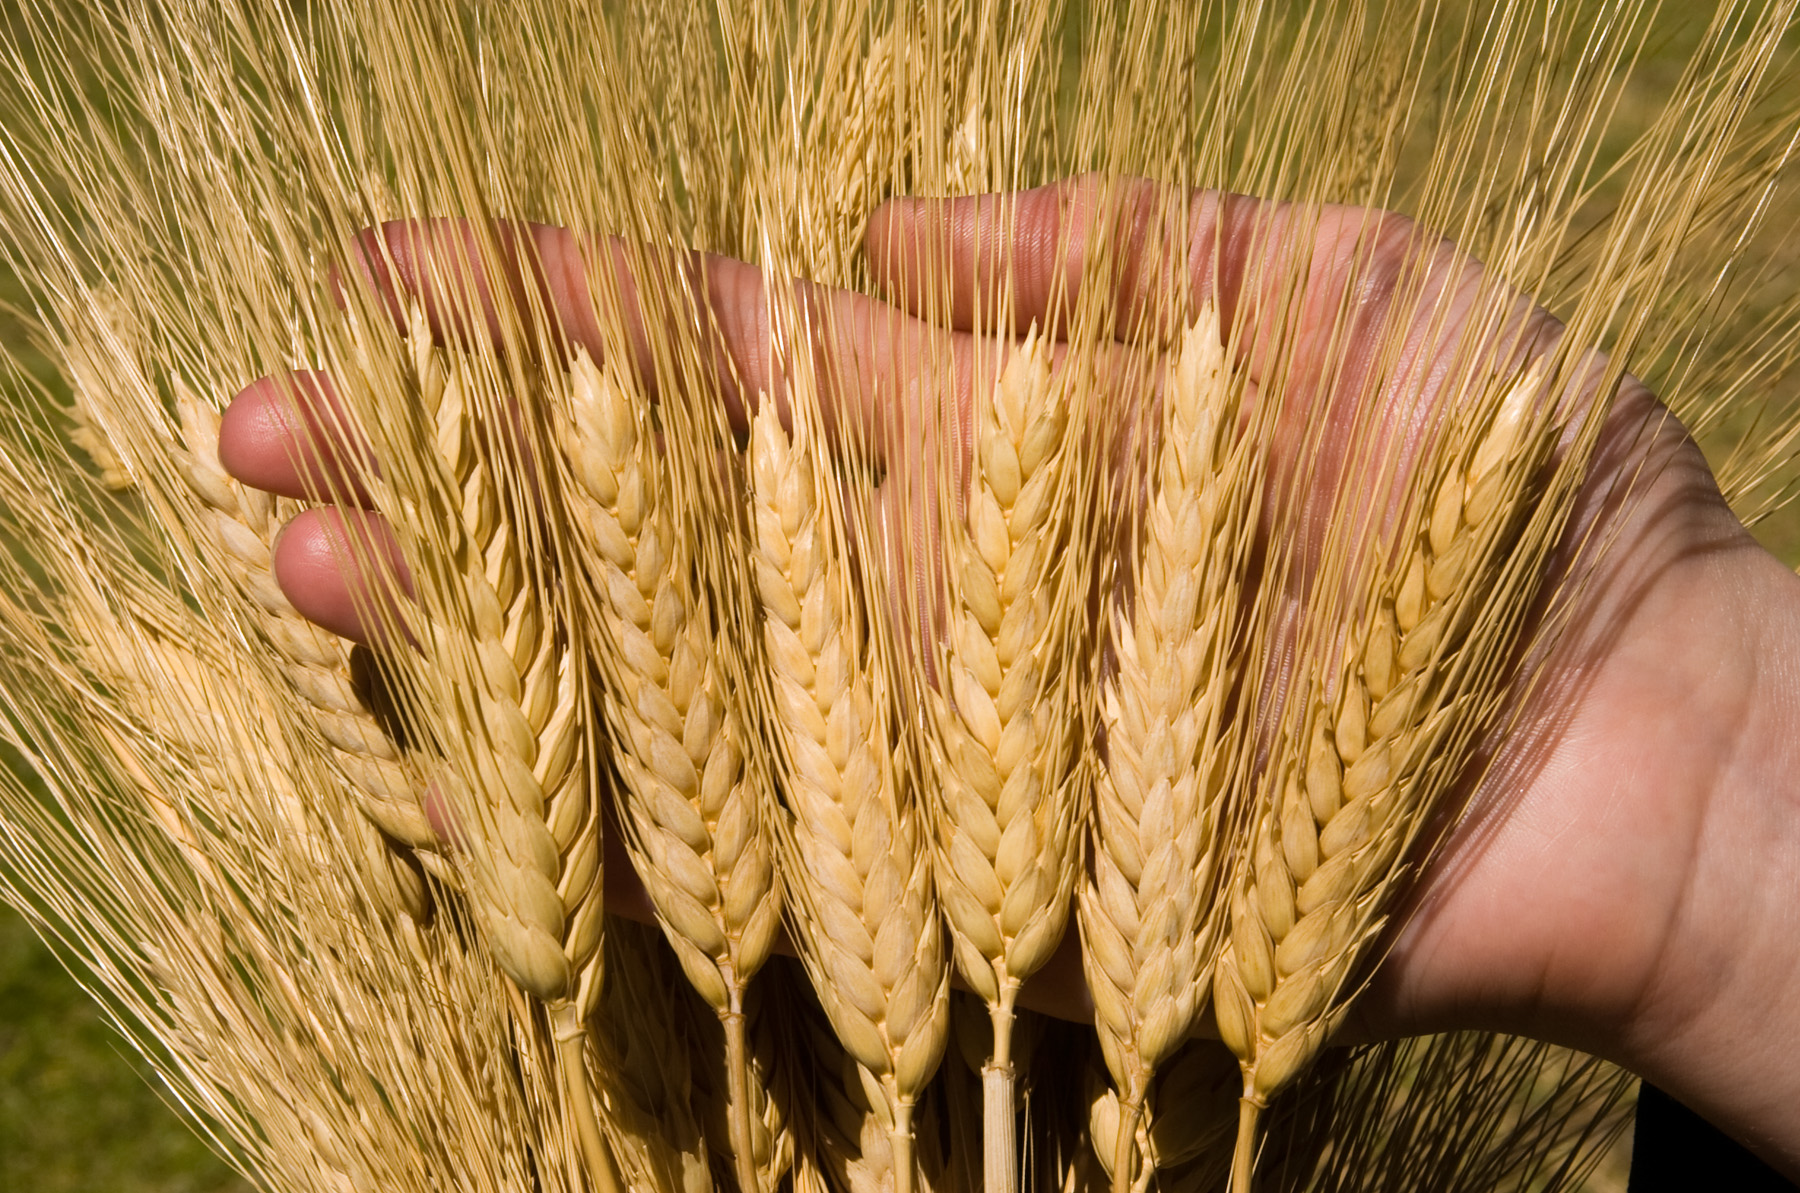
<point>1009,794</point>
<point>692,810</point>
<point>499,689</point>
<point>856,855</point>
<point>1150,910</point>
<point>1351,793</point>
<point>123,427</point>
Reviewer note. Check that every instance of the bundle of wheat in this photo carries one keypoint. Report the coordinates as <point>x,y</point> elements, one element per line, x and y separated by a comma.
<point>1134,568</point>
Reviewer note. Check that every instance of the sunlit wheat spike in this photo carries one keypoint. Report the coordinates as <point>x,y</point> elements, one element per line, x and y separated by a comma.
<point>1008,800</point>
<point>1150,911</point>
<point>1352,788</point>
<point>856,858</point>
<point>693,814</point>
<point>499,685</point>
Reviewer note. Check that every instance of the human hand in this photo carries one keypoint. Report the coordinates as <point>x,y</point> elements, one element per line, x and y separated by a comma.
<point>1616,881</point>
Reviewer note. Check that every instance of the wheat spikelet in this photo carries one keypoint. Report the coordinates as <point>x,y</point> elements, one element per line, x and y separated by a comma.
<point>1347,799</point>
<point>500,688</point>
<point>1150,912</point>
<point>856,858</point>
<point>845,1137</point>
<point>693,811</point>
<point>1008,807</point>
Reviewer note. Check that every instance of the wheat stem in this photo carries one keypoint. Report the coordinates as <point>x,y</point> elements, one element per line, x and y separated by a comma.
<point>1243,1154</point>
<point>570,1032</point>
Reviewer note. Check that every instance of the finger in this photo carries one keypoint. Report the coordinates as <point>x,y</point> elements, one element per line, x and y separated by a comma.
<point>1262,262</point>
<point>291,435</point>
<point>1036,251</point>
<point>343,570</point>
<point>748,332</point>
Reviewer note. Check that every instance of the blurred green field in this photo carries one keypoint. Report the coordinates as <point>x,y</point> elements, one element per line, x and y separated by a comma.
<point>80,1113</point>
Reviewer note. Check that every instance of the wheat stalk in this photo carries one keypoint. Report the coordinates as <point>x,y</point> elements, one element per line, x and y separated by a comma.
<point>1008,803</point>
<point>1375,746</point>
<point>693,811</point>
<point>1150,912</point>
<point>855,856</point>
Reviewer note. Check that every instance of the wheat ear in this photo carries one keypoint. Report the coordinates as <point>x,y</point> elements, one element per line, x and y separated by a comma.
<point>1149,911</point>
<point>1352,790</point>
<point>693,814</point>
<point>501,689</point>
<point>856,859</point>
<point>1008,807</point>
<point>242,523</point>
<point>191,697</point>
<point>1185,1133</point>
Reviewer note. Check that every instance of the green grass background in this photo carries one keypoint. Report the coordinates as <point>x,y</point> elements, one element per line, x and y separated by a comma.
<point>79,1112</point>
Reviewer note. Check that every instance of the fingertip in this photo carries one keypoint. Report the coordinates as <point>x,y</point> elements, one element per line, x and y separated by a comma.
<point>289,434</point>
<point>339,569</point>
<point>261,432</point>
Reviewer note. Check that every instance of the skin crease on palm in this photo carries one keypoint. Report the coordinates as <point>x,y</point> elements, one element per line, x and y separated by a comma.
<point>1622,879</point>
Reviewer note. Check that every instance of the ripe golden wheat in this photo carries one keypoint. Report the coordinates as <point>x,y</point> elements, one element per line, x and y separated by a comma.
<point>957,632</point>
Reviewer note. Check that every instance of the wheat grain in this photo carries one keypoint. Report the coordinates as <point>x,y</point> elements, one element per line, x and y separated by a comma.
<point>1150,911</point>
<point>1354,786</point>
<point>693,812</point>
<point>1007,806</point>
<point>855,856</point>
